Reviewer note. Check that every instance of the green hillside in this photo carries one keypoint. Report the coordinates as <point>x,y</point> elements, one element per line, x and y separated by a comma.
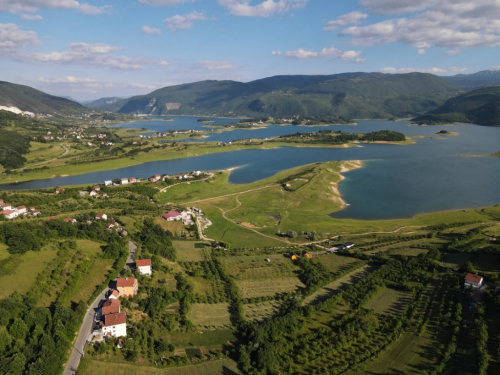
<point>112,104</point>
<point>349,95</point>
<point>484,78</point>
<point>481,106</point>
<point>29,99</point>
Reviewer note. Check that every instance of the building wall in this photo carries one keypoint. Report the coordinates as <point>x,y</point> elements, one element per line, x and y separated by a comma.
<point>116,331</point>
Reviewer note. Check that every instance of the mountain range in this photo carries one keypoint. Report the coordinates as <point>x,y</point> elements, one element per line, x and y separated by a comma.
<point>346,95</point>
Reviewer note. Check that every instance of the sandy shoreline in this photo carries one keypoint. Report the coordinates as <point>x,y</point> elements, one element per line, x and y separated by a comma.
<point>345,166</point>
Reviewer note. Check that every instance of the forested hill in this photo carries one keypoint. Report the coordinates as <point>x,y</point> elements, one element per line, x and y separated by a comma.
<point>481,106</point>
<point>349,95</point>
<point>28,99</point>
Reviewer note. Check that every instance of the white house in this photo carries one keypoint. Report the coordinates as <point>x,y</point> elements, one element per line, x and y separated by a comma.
<point>474,281</point>
<point>101,216</point>
<point>114,325</point>
<point>172,215</point>
<point>108,183</point>
<point>124,181</point>
<point>9,214</point>
<point>21,210</point>
<point>144,266</point>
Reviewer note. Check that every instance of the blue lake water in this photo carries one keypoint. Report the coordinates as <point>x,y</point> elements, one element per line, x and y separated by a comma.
<point>396,181</point>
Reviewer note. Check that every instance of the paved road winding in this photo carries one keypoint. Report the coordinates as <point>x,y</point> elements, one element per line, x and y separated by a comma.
<point>85,332</point>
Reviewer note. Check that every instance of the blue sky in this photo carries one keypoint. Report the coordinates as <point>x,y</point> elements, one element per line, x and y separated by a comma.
<point>94,48</point>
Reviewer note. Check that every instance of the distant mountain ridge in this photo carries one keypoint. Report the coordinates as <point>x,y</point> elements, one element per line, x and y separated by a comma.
<point>483,78</point>
<point>348,95</point>
<point>112,104</point>
<point>28,99</point>
<point>481,106</point>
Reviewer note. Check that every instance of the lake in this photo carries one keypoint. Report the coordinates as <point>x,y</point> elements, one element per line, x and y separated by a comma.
<point>396,181</point>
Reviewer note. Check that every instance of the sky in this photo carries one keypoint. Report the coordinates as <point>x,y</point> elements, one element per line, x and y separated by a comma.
<point>99,48</point>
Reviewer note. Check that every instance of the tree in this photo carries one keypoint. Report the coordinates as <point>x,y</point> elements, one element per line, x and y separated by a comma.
<point>19,329</point>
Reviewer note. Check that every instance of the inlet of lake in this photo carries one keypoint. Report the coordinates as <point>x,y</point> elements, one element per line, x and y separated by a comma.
<point>397,181</point>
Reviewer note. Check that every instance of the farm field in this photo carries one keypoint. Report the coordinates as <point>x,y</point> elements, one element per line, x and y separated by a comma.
<point>334,262</point>
<point>268,287</point>
<point>338,285</point>
<point>210,316</point>
<point>389,301</point>
<point>216,367</point>
<point>190,251</point>
<point>261,310</point>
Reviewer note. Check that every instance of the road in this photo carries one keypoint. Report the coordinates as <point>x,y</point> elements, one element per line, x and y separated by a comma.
<point>86,328</point>
<point>47,161</point>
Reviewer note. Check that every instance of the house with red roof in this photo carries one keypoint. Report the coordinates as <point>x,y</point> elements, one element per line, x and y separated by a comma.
<point>474,281</point>
<point>127,286</point>
<point>10,214</point>
<point>70,220</point>
<point>101,216</point>
<point>113,294</point>
<point>111,306</point>
<point>172,215</point>
<point>21,210</point>
<point>144,266</point>
<point>114,325</point>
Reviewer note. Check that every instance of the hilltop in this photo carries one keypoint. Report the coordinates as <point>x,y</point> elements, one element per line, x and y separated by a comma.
<point>112,104</point>
<point>483,78</point>
<point>481,106</point>
<point>349,95</point>
<point>28,99</point>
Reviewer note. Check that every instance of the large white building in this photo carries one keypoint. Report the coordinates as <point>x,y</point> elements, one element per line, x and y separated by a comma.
<point>144,266</point>
<point>114,325</point>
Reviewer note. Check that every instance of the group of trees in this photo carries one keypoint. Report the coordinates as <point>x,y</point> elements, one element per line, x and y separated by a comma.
<point>156,240</point>
<point>338,137</point>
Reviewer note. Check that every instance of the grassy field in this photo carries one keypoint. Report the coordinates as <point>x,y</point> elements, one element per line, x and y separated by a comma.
<point>190,251</point>
<point>338,285</point>
<point>224,366</point>
<point>172,226</point>
<point>29,266</point>
<point>389,301</point>
<point>210,316</point>
<point>89,247</point>
<point>94,278</point>
<point>268,287</point>
<point>334,262</point>
<point>4,254</point>
<point>261,310</point>
<point>200,339</point>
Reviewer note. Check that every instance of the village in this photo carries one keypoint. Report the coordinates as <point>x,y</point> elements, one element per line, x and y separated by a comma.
<point>10,212</point>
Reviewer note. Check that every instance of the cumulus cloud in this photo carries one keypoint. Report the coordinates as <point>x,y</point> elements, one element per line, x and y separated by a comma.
<point>32,6</point>
<point>337,54</point>
<point>31,17</point>
<point>213,65</point>
<point>179,22</point>
<point>434,70</point>
<point>446,24</point>
<point>13,40</point>
<point>352,18</point>
<point>276,53</point>
<point>164,3</point>
<point>150,30</point>
<point>94,54</point>
<point>266,8</point>
<point>396,6</point>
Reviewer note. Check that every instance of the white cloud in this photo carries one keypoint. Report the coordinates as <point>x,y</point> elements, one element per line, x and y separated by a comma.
<point>213,65</point>
<point>495,67</point>
<point>434,70</point>
<point>266,8</point>
<point>453,52</point>
<point>31,17</point>
<point>164,3</point>
<point>396,6</point>
<point>352,18</point>
<point>13,40</point>
<point>276,53</point>
<point>32,6</point>
<point>68,79</point>
<point>421,51</point>
<point>302,54</point>
<point>150,30</point>
<point>445,24</point>
<point>86,8</point>
<point>179,22</point>
<point>94,54</point>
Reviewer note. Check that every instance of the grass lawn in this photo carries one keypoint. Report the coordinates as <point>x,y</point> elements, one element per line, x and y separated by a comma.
<point>199,339</point>
<point>30,265</point>
<point>334,262</point>
<point>95,277</point>
<point>189,251</point>
<point>389,301</point>
<point>89,247</point>
<point>173,226</point>
<point>253,267</point>
<point>268,287</point>
<point>224,366</point>
<point>340,284</point>
<point>210,316</point>
<point>4,254</point>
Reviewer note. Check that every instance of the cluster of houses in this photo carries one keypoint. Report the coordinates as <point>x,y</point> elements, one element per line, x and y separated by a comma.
<point>185,215</point>
<point>155,178</point>
<point>11,212</point>
<point>170,133</point>
<point>112,224</point>
<point>111,320</point>
<point>95,193</point>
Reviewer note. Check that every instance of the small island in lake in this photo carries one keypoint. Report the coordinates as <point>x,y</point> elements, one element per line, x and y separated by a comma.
<point>446,132</point>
